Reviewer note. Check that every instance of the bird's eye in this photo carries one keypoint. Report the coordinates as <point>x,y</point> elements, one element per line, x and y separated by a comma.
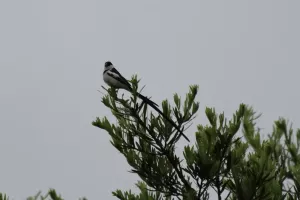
<point>108,63</point>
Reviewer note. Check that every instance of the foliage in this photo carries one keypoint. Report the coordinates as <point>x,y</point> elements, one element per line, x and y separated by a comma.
<point>229,157</point>
<point>51,195</point>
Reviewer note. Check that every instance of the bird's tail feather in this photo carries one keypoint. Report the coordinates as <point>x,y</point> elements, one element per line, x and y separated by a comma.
<point>155,107</point>
<point>146,100</point>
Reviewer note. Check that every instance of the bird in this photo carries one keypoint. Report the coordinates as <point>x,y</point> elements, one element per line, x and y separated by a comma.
<point>114,79</point>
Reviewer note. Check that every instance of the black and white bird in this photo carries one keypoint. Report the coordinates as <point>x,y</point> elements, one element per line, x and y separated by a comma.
<point>113,78</point>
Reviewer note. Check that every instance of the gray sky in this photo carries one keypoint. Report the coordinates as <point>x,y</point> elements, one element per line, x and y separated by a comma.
<point>52,57</point>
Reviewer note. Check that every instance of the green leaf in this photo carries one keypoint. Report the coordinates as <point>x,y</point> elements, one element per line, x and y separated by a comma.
<point>177,101</point>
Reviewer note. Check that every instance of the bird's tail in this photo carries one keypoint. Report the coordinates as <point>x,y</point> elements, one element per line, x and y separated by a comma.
<point>155,107</point>
<point>147,100</point>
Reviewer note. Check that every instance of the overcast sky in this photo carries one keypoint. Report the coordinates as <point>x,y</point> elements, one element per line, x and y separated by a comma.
<point>52,55</point>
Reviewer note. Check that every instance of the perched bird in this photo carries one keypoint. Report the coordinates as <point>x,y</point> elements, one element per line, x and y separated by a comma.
<point>113,78</point>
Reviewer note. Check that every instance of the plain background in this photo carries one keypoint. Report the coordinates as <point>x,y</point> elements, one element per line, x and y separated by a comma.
<point>52,55</point>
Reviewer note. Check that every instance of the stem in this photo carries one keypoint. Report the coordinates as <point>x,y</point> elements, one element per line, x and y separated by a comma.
<point>218,188</point>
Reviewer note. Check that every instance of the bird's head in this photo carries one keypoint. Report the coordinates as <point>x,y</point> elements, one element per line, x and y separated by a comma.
<point>108,64</point>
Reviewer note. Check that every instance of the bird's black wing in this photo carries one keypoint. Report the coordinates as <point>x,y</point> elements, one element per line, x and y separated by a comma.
<point>124,81</point>
<point>119,77</point>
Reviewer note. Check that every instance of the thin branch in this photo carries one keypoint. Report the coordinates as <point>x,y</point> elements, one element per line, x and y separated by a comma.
<point>228,195</point>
